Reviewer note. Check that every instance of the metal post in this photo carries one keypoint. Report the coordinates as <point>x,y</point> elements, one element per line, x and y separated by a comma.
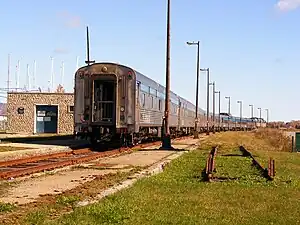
<point>267,116</point>
<point>251,113</point>
<point>240,102</point>
<point>213,106</point>
<point>259,117</point>
<point>228,97</point>
<point>196,134</point>
<point>166,141</point>
<point>88,61</point>
<point>219,117</point>
<point>207,101</point>
<point>219,110</point>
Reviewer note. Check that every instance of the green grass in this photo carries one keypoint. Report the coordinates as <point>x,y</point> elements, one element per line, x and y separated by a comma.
<point>178,196</point>
<point>6,207</point>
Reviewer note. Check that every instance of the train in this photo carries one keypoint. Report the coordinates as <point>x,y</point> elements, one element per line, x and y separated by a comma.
<point>116,102</point>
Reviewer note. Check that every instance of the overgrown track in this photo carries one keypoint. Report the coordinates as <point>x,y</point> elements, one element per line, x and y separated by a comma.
<point>209,170</point>
<point>268,172</point>
<point>39,163</point>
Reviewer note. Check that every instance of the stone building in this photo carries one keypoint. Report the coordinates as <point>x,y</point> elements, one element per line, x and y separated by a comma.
<point>37,112</point>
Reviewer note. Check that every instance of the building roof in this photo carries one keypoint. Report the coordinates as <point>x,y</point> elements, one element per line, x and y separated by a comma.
<point>2,109</point>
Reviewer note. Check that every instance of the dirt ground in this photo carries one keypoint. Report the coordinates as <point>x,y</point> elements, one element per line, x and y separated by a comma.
<point>48,193</point>
<point>28,190</point>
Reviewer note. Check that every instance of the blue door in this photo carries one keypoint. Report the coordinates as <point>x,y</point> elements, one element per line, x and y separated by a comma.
<point>46,119</point>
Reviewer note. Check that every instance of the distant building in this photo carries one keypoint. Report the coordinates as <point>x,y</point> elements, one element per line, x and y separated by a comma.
<point>38,112</point>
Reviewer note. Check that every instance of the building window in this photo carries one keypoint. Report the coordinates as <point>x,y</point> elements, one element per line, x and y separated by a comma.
<point>159,105</point>
<point>71,108</point>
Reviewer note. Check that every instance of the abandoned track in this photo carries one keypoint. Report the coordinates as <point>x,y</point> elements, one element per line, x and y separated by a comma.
<point>39,163</point>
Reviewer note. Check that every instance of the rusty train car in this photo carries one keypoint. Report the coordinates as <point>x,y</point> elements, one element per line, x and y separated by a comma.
<point>116,102</point>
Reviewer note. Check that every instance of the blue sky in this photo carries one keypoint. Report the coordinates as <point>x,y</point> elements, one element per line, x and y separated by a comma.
<point>252,47</point>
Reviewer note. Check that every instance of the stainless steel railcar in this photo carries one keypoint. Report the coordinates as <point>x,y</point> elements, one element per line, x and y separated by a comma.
<point>113,101</point>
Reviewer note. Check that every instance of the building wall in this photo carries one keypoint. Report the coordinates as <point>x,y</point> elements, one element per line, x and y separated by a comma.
<point>25,123</point>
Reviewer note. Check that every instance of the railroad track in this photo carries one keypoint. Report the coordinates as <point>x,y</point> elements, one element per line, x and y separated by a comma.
<point>29,165</point>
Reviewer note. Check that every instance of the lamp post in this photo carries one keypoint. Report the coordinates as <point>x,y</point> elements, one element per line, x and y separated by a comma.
<point>259,116</point>
<point>207,100</point>
<point>241,108</point>
<point>267,110</point>
<point>166,140</point>
<point>228,97</point>
<point>196,134</point>
<point>213,84</point>
<point>219,117</point>
<point>251,106</point>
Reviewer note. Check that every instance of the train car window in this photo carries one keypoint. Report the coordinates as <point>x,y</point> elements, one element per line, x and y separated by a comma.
<point>159,105</point>
<point>161,95</point>
<point>143,100</point>
<point>144,88</point>
<point>152,102</point>
<point>153,92</point>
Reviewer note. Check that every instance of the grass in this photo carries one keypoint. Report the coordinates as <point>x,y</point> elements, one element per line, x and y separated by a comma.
<point>12,148</point>
<point>6,207</point>
<point>50,207</point>
<point>178,196</point>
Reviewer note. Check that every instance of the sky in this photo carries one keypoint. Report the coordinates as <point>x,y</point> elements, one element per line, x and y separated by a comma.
<point>251,47</point>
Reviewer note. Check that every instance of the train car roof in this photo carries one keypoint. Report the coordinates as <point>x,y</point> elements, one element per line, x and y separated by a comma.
<point>149,82</point>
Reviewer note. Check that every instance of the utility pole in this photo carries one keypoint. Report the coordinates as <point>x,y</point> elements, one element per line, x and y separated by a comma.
<point>196,134</point>
<point>251,113</point>
<point>166,140</point>
<point>267,110</point>
<point>213,84</point>
<point>241,109</point>
<point>219,117</point>
<point>228,97</point>
<point>207,100</point>
<point>259,117</point>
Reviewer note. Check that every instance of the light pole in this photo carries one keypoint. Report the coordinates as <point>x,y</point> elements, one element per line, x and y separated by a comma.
<point>241,108</point>
<point>213,84</point>
<point>259,116</point>
<point>166,140</point>
<point>251,106</point>
<point>267,110</point>
<point>207,101</point>
<point>228,97</point>
<point>196,135</point>
<point>219,117</point>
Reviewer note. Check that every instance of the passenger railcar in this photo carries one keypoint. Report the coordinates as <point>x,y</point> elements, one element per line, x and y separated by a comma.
<point>113,101</point>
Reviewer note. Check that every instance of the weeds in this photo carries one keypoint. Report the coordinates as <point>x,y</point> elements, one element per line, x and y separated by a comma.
<point>6,207</point>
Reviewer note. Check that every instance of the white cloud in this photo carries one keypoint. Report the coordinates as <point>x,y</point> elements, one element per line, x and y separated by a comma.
<point>70,21</point>
<point>287,5</point>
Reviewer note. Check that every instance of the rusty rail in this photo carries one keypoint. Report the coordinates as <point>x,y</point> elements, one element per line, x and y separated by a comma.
<point>210,164</point>
<point>42,157</point>
<point>271,169</point>
<point>52,165</point>
<point>269,172</point>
